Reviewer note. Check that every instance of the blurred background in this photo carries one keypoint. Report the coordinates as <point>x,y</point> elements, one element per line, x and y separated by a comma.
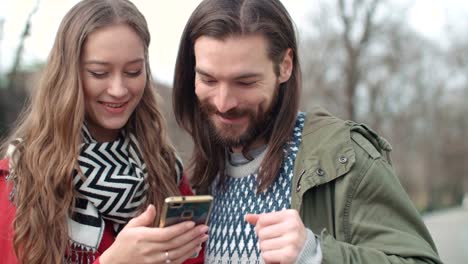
<point>401,66</point>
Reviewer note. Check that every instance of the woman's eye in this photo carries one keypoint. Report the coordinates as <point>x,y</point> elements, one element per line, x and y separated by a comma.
<point>133,73</point>
<point>98,74</point>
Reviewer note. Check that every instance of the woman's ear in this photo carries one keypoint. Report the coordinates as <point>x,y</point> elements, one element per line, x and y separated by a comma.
<point>286,66</point>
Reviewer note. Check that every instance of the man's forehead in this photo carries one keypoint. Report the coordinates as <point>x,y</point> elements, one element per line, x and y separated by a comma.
<point>236,45</point>
<point>232,57</point>
<point>243,74</point>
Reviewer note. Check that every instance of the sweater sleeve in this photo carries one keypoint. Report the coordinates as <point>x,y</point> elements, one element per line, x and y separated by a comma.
<point>311,252</point>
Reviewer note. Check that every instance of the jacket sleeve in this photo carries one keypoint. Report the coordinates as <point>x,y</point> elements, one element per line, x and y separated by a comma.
<point>383,226</point>
<point>7,210</point>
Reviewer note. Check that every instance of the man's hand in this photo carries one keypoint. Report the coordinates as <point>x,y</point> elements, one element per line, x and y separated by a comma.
<point>281,235</point>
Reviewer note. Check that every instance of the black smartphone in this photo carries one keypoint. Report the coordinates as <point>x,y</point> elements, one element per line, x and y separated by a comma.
<point>178,209</point>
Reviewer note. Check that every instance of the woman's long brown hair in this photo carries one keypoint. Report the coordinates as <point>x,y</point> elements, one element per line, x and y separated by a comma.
<point>50,133</point>
<point>221,19</point>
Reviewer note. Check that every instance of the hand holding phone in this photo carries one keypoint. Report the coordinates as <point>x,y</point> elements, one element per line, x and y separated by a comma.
<point>194,208</point>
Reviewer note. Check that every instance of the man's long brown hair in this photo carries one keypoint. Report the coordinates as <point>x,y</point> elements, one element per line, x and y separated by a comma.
<point>50,130</point>
<point>221,19</point>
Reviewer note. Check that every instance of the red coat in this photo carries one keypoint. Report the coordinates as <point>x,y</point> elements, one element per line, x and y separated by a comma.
<point>8,210</point>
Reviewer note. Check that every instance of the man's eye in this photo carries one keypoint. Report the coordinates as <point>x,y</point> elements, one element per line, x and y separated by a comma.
<point>98,74</point>
<point>209,81</point>
<point>246,83</point>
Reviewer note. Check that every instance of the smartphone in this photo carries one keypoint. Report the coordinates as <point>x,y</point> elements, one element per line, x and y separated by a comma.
<point>178,209</point>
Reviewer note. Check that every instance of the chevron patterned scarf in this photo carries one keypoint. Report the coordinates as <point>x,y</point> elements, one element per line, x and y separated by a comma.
<point>111,186</point>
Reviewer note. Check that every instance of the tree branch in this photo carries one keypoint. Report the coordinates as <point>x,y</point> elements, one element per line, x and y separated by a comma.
<point>19,51</point>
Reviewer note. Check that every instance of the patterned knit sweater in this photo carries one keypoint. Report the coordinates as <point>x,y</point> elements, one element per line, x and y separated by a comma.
<point>232,239</point>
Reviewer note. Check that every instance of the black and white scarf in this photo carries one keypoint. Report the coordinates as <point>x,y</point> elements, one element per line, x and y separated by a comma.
<point>110,186</point>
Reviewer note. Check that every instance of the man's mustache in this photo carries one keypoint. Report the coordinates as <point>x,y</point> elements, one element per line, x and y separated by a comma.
<point>210,109</point>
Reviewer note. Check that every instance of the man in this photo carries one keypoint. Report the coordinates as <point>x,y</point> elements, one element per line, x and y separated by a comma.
<point>288,187</point>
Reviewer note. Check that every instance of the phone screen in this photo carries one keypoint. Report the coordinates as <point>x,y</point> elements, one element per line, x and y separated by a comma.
<point>186,208</point>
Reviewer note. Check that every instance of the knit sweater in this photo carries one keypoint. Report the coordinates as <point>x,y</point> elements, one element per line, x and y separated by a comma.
<point>232,239</point>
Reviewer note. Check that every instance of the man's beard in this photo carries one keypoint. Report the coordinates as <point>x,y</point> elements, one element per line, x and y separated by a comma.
<point>226,134</point>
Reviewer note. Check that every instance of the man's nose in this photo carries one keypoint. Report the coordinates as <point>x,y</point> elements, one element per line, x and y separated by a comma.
<point>225,99</point>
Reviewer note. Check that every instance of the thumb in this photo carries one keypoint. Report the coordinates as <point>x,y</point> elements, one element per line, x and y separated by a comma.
<point>252,218</point>
<point>145,219</point>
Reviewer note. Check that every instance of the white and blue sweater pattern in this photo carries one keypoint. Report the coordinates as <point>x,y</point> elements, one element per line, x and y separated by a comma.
<point>232,239</point>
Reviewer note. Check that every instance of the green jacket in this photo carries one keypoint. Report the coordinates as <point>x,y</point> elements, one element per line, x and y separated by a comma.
<point>347,192</point>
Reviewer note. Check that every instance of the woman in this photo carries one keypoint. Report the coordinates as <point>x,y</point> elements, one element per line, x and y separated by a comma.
<point>89,164</point>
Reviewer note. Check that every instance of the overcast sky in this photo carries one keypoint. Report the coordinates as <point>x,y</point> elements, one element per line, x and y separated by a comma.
<point>166,19</point>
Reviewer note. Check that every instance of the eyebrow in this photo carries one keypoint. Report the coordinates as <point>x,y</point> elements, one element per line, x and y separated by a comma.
<point>240,76</point>
<point>107,63</point>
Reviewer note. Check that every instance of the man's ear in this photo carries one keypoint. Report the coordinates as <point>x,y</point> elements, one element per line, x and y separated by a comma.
<point>286,66</point>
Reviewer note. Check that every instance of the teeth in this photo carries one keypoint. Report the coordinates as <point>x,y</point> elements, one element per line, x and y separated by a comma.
<point>114,105</point>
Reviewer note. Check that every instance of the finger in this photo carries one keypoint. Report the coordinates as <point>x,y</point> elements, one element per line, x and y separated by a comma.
<point>145,219</point>
<point>252,218</point>
<point>165,234</point>
<point>272,231</point>
<point>188,249</point>
<point>187,237</point>
<point>188,255</point>
<point>272,244</point>
<point>276,217</point>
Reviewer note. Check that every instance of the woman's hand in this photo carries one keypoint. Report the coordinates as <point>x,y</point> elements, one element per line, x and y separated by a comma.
<point>139,243</point>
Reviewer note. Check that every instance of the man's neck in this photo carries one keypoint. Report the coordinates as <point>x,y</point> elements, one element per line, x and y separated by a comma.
<point>256,144</point>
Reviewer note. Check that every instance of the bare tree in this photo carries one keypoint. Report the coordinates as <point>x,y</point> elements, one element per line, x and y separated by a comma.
<point>19,52</point>
<point>358,20</point>
<point>363,62</point>
<point>14,95</point>
<point>2,23</point>
<point>347,34</point>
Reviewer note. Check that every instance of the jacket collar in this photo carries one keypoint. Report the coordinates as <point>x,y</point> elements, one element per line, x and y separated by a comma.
<point>326,151</point>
